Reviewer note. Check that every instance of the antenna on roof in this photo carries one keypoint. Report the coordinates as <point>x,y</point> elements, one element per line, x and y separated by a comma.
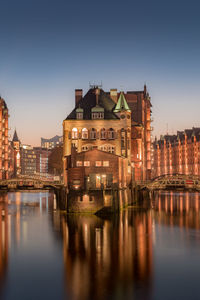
<point>95,85</point>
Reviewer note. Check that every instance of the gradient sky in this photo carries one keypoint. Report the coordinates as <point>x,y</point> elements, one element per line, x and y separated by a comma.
<point>48,48</point>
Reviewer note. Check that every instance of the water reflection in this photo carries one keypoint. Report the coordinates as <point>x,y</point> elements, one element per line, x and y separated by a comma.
<point>180,209</point>
<point>3,238</point>
<point>108,258</point>
<point>136,254</point>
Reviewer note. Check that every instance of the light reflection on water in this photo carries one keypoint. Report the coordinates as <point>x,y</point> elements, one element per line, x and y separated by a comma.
<point>147,253</point>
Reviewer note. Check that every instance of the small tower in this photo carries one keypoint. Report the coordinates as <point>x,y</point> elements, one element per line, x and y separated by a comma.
<point>16,146</point>
<point>123,111</point>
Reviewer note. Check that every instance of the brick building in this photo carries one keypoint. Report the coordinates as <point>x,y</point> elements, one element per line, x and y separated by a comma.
<point>177,154</point>
<point>117,123</point>
<point>96,169</point>
<point>4,145</point>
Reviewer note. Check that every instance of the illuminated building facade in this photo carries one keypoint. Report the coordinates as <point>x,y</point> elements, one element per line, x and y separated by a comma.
<point>4,160</point>
<point>51,143</point>
<point>177,154</point>
<point>140,104</point>
<point>118,123</point>
<point>97,123</point>
<point>28,160</point>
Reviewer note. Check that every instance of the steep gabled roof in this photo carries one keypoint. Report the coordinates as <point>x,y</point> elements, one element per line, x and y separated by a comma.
<point>122,104</point>
<point>89,101</point>
<point>15,137</point>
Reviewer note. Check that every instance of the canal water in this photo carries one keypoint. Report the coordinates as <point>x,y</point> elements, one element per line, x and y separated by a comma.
<point>149,252</point>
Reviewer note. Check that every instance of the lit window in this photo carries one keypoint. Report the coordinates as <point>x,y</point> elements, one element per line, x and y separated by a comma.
<point>106,163</point>
<point>79,163</point>
<point>84,133</point>
<point>74,133</point>
<point>86,163</point>
<point>98,163</point>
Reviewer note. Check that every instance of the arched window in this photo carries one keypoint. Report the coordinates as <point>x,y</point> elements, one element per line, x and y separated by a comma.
<point>93,134</point>
<point>111,134</point>
<point>103,134</point>
<point>103,148</point>
<point>84,134</point>
<point>74,133</point>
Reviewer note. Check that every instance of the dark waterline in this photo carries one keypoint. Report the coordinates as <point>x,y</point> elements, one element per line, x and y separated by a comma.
<point>147,253</point>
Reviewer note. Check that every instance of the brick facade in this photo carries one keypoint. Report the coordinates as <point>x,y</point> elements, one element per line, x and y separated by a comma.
<point>177,154</point>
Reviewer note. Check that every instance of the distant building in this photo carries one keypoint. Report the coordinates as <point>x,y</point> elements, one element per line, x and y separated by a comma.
<point>4,145</point>
<point>42,157</point>
<point>55,163</point>
<point>51,143</point>
<point>28,160</point>
<point>177,154</point>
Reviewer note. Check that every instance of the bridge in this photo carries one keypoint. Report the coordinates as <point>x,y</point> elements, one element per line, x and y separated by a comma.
<point>29,183</point>
<point>175,181</point>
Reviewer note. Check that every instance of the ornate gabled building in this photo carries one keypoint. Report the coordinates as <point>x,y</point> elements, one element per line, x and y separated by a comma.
<point>112,122</point>
<point>177,154</point>
<point>97,122</point>
<point>4,159</point>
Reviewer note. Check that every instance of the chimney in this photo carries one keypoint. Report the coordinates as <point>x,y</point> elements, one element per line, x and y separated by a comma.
<point>97,92</point>
<point>113,95</point>
<point>78,96</point>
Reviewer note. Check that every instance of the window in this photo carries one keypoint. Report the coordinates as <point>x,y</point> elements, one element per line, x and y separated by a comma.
<point>97,115</point>
<point>86,163</point>
<point>74,133</point>
<point>111,149</point>
<point>111,134</point>
<point>85,148</point>
<point>103,148</point>
<point>106,163</point>
<point>84,134</point>
<point>79,163</point>
<point>98,163</point>
<point>79,115</point>
<point>103,134</point>
<point>93,134</point>
<point>122,138</point>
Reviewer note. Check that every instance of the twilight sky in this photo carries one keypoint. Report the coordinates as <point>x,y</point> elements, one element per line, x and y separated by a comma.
<point>50,47</point>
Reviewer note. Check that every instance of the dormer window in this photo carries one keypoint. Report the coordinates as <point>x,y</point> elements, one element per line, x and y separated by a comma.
<point>79,113</point>
<point>97,115</point>
<point>97,112</point>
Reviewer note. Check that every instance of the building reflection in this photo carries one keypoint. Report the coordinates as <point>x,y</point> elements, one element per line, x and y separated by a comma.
<point>108,256</point>
<point>4,229</point>
<point>15,208</point>
<point>180,209</point>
